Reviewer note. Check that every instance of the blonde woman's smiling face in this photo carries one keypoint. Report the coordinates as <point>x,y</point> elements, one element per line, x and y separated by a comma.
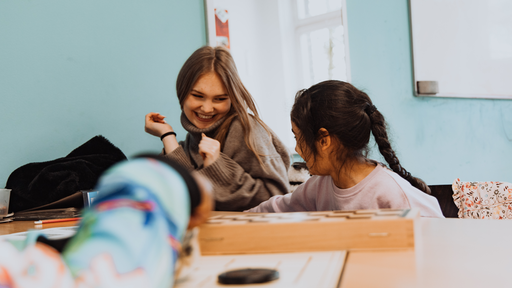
<point>207,102</point>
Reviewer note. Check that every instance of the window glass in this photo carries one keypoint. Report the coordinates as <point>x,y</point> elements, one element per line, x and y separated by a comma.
<point>309,8</point>
<point>323,55</point>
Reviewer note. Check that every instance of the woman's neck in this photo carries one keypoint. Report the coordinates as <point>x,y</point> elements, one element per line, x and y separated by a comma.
<point>352,172</point>
<point>196,132</point>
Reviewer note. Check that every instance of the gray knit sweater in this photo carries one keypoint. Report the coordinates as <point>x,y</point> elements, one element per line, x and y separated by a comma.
<point>238,179</point>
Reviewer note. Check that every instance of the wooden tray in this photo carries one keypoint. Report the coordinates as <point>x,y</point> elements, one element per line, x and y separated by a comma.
<point>249,233</point>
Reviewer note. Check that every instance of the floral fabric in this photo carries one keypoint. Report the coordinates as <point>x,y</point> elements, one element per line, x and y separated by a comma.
<point>483,200</point>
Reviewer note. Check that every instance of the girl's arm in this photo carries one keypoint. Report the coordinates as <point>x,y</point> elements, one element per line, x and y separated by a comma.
<point>239,181</point>
<point>209,149</point>
<point>237,190</point>
<point>156,126</point>
<point>179,156</point>
<point>303,199</point>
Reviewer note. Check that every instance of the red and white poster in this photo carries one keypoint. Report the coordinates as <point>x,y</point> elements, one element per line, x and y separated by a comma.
<point>222,27</point>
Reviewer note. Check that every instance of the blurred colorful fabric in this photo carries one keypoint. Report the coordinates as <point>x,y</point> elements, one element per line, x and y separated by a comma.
<point>129,237</point>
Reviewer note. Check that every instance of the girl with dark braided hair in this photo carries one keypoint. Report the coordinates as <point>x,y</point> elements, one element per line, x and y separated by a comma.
<point>332,122</point>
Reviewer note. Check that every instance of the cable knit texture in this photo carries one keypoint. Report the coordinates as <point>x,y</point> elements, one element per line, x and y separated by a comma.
<point>239,181</point>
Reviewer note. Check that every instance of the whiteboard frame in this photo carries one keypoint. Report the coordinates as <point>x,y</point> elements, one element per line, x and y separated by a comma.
<point>439,95</point>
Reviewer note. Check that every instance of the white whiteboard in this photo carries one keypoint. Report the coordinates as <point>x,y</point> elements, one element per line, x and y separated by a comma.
<point>464,45</point>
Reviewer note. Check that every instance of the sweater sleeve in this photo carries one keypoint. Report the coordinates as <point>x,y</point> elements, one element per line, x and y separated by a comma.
<point>239,180</point>
<point>180,156</point>
<point>298,201</point>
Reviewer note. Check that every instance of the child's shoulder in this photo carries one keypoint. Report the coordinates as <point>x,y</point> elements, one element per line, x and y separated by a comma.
<point>383,182</point>
<point>392,178</point>
<point>405,186</point>
<point>428,204</point>
<point>316,183</point>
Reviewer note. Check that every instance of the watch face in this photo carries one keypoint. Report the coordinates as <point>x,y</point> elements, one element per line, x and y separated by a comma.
<point>248,276</point>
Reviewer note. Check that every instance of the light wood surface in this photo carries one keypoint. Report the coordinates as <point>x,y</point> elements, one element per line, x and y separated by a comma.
<point>297,270</point>
<point>464,253</point>
<point>248,233</point>
<point>449,253</point>
<point>22,226</point>
<point>380,268</point>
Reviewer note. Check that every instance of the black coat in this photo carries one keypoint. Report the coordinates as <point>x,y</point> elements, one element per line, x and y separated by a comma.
<point>36,184</point>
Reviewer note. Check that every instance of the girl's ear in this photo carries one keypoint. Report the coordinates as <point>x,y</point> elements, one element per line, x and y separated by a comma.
<point>324,139</point>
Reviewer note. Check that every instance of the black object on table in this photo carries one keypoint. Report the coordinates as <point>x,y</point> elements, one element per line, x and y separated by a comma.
<point>248,276</point>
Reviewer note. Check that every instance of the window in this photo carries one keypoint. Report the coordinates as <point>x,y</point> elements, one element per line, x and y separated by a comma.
<point>280,47</point>
<point>308,8</point>
<point>321,36</point>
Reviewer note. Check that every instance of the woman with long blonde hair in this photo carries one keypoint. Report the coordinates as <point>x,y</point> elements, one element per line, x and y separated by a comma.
<point>227,142</point>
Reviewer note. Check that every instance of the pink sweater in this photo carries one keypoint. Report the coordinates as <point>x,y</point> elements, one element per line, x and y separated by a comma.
<point>382,188</point>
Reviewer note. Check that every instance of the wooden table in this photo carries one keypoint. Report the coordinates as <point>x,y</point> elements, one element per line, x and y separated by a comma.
<point>448,253</point>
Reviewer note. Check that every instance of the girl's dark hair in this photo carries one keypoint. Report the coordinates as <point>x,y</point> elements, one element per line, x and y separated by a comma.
<point>349,115</point>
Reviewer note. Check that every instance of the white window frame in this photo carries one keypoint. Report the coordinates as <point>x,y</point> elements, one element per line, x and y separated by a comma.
<point>327,20</point>
<point>291,27</point>
<point>301,25</point>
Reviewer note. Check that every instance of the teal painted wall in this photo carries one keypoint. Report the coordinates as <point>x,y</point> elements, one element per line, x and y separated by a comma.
<point>70,70</point>
<point>437,139</point>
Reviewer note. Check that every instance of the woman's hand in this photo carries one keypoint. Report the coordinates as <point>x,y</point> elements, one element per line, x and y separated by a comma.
<point>156,125</point>
<point>209,149</point>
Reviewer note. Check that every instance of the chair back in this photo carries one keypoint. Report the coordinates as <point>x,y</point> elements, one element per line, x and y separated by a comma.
<point>444,193</point>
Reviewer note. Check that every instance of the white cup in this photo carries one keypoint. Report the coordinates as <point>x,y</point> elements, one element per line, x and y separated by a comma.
<point>5,194</point>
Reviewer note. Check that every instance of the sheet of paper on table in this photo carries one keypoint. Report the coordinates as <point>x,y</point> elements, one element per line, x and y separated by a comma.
<point>298,270</point>
<point>51,233</point>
